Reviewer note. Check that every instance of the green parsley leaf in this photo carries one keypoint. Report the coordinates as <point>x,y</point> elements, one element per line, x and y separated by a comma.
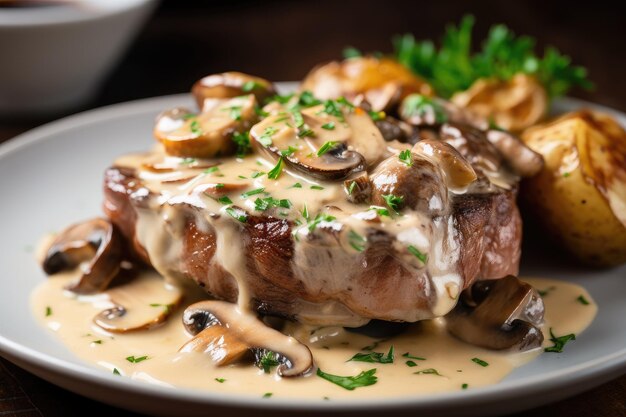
<point>559,342</point>
<point>327,146</point>
<point>394,202</point>
<point>480,362</point>
<point>351,52</point>
<point>420,105</point>
<point>237,213</point>
<point>195,128</point>
<point>307,99</point>
<point>316,187</point>
<point>351,187</point>
<point>220,380</point>
<point>133,359</point>
<point>547,291</point>
<point>351,382</point>
<point>167,307</point>
<point>266,137</point>
<point>97,342</point>
<point>211,170</point>
<point>187,161</point>
<point>225,200</point>
<point>235,112</point>
<point>296,185</point>
<point>257,174</point>
<point>418,254</point>
<point>253,192</point>
<point>406,157</point>
<point>259,111</point>
<point>410,364</point>
<point>377,115</point>
<point>429,371</point>
<point>48,311</point>
<point>289,151</point>
<point>275,172</point>
<point>417,358</point>
<point>329,126</point>
<point>116,372</point>
<point>250,85</point>
<point>321,217</point>
<point>242,140</point>
<point>381,211</point>
<point>188,116</point>
<point>582,300</point>
<point>356,241</point>
<point>374,357</point>
<point>464,386</point>
<point>262,204</point>
<point>305,212</point>
<point>268,361</point>
<point>267,395</point>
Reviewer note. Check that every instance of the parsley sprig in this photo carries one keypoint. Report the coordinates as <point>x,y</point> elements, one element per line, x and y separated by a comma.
<point>374,357</point>
<point>453,67</point>
<point>559,342</point>
<point>363,379</point>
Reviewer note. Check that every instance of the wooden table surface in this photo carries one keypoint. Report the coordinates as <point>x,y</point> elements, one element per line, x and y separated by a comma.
<point>282,40</point>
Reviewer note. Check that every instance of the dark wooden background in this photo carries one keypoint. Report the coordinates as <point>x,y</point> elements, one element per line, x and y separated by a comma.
<point>282,40</point>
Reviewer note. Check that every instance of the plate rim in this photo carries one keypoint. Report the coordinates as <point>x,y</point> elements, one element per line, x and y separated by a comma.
<point>592,371</point>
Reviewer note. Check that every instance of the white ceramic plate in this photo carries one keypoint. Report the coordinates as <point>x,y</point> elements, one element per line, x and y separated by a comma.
<point>51,177</point>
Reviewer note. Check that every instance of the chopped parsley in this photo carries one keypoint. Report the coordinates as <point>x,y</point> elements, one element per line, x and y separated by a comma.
<point>351,187</point>
<point>211,170</point>
<point>559,342</point>
<point>289,151</point>
<point>328,126</point>
<point>429,371</point>
<point>464,386</point>
<point>408,355</point>
<point>418,254</point>
<point>305,212</point>
<point>237,213</point>
<point>220,380</point>
<point>259,111</point>
<point>582,300</point>
<point>262,204</point>
<point>166,307</point>
<point>116,372</point>
<point>275,172</point>
<point>406,157</point>
<point>296,185</point>
<point>394,202</point>
<point>351,52</point>
<point>356,241</point>
<point>97,342</point>
<point>327,146</point>
<point>419,105</point>
<point>321,217</point>
<point>381,211</point>
<point>48,311</point>
<point>374,357</point>
<point>307,99</point>
<point>235,112</point>
<point>316,187</point>
<point>242,140</point>
<point>363,379</point>
<point>480,362</point>
<point>188,116</point>
<point>566,174</point>
<point>257,174</point>
<point>268,361</point>
<point>545,292</point>
<point>266,137</point>
<point>187,161</point>
<point>250,85</point>
<point>377,115</point>
<point>195,127</point>
<point>410,364</point>
<point>133,359</point>
<point>253,192</point>
<point>267,395</point>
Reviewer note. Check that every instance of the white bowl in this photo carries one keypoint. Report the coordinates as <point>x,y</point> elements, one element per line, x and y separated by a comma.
<point>54,58</point>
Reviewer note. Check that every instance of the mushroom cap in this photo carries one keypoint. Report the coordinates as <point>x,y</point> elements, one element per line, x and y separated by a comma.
<point>96,242</point>
<point>520,158</point>
<point>458,172</point>
<point>498,314</point>
<point>232,84</point>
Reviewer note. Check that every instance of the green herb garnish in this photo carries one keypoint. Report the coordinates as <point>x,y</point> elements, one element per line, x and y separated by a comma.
<point>195,127</point>
<point>266,137</point>
<point>480,362</point>
<point>220,380</point>
<point>296,185</point>
<point>351,52</point>
<point>464,386</point>
<point>268,361</point>
<point>211,170</point>
<point>235,112</point>
<point>559,342</point>
<point>289,151</point>
<point>582,300</point>
<point>133,359</point>
<point>225,200</point>
<point>267,395</point>
<point>242,140</point>
<point>116,372</point>
<point>374,357</point>
<point>377,115</point>
<point>316,187</point>
<point>250,85</point>
<point>418,254</point>
<point>97,342</point>
<point>237,213</point>
<point>419,105</point>
<point>429,371</point>
<point>381,211</point>
<point>394,202</point>
<point>363,379</point>
<point>410,364</point>
<point>257,174</point>
<point>48,311</point>
<point>417,358</point>
<point>406,157</point>
<point>328,126</point>
<point>321,217</point>
<point>262,204</point>
<point>545,292</point>
<point>275,172</point>
<point>453,67</point>
<point>356,241</point>
<point>187,161</point>
<point>327,146</point>
<point>253,192</point>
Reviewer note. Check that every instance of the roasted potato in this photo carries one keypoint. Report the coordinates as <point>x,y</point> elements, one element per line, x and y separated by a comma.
<point>580,195</point>
<point>383,82</point>
<point>514,105</point>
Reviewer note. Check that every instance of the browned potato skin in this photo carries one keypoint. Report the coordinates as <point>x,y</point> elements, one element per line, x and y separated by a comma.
<point>367,75</point>
<point>566,200</point>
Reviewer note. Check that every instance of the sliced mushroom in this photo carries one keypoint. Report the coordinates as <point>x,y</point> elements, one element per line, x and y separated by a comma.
<point>226,334</point>
<point>143,303</point>
<point>523,160</point>
<point>207,134</point>
<point>95,245</point>
<point>358,188</point>
<point>420,185</point>
<point>321,145</point>
<point>383,81</point>
<point>473,145</point>
<point>394,129</point>
<point>498,314</point>
<point>459,172</point>
<point>213,88</point>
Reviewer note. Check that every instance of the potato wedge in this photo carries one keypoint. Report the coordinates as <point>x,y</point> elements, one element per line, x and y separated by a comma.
<point>580,195</point>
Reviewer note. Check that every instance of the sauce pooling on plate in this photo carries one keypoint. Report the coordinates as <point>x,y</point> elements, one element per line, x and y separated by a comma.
<point>423,359</point>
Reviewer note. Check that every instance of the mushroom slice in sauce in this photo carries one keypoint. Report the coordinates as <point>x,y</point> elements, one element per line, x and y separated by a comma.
<point>523,160</point>
<point>227,334</point>
<point>207,134</point>
<point>420,186</point>
<point>95,245</point>
<point>458,172</point>
<point>498,314</point>
<point>141,304</point>
<point>321,145</point>
<point>211,89</point>
<point>358,188</point>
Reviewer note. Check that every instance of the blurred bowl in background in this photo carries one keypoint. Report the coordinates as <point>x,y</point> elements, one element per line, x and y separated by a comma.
<point>54,55</point>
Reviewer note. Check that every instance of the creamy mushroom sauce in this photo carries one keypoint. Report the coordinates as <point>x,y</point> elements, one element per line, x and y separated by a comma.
<point>70,318</point>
